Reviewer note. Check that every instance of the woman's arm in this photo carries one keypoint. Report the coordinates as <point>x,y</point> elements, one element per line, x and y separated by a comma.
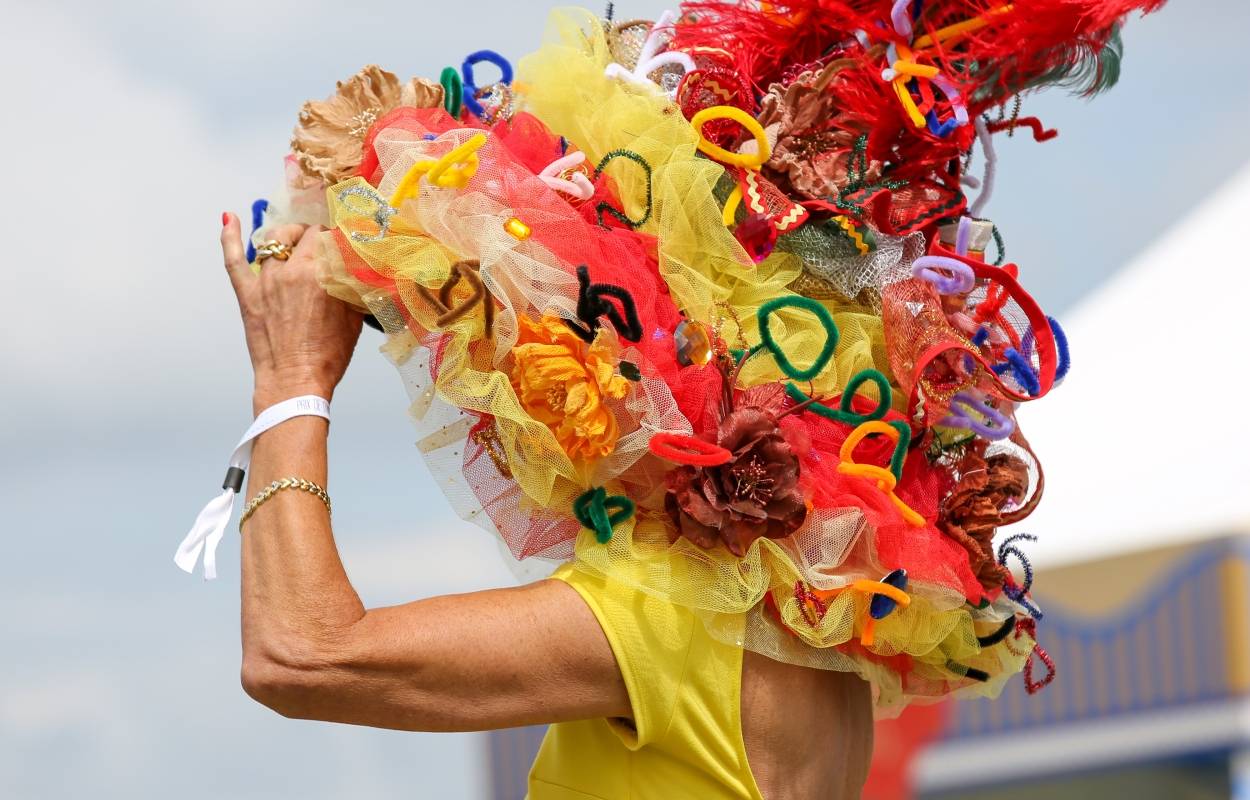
<point>310,648</point>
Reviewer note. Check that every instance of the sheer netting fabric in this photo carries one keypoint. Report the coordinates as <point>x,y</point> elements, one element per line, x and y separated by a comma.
<point>704,305</point>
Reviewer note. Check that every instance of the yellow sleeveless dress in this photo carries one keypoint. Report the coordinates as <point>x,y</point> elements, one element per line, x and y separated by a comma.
<point>685,740</point>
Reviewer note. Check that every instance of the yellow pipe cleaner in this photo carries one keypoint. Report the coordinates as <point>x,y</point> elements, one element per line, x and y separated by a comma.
<point>718,153</point>
<point>903,67</point>
<point>452,171</point>
<point>943,35</point>
<point>885,479</point>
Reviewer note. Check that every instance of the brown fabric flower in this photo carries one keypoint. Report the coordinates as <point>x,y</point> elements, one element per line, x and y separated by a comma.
<point>755,494</point>
<point>974,510</point>
<point>327,141</point>
<point>810,154</point>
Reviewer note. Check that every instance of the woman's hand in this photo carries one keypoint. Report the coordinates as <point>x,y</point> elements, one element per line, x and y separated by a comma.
<point>300,338</point>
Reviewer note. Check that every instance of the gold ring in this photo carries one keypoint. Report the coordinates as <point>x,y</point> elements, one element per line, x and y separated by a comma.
<point>273,249</point>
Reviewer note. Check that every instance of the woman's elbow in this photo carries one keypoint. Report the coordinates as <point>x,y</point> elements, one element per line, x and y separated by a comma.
<point>290,681</point>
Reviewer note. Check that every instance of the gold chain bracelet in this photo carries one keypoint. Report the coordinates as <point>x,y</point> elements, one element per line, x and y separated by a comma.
<point>277,486</point>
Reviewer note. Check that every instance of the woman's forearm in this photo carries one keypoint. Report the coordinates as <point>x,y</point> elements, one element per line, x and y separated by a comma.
<point>489,659</point>
<point>470,662</point>
<point>297,601</point>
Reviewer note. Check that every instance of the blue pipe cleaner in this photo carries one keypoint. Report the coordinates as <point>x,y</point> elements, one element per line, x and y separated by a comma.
<point>983,336</point>
<point>1061,344</point>
<point>1008,548</point>
<point>258,217</point>
<point>466,72</point>
<point>1022,370</point>
<point>942,129</point>
<point>1020,593</point>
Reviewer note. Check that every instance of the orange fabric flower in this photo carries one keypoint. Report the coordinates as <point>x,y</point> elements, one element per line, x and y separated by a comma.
<point>327,143</point>
<point>562,382</point>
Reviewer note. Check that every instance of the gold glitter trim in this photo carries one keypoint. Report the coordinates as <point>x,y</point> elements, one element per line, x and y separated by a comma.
<point>488,439</point>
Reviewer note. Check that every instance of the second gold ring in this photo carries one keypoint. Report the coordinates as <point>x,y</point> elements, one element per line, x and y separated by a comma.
<point>272,249</point>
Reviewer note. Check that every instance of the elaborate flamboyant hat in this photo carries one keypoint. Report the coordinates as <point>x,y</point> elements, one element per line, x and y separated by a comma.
<point>710,306</point>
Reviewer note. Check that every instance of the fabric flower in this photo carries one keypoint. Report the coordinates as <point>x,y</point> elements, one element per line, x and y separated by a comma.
<point>973,512</point>
<point>755,494</point>
<point>810,154</point>
<point>563,382</point>
<point>327,142</point>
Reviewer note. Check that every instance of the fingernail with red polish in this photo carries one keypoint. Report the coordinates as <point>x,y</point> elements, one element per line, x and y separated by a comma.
<point>225,218</point>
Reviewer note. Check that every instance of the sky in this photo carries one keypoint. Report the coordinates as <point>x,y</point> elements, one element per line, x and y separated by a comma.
<point>1150,485</point>
<point>130,127</point>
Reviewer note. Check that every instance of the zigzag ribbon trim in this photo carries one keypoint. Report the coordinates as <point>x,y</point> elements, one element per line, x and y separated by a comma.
<point>787,222</point>
<point>847,225</point>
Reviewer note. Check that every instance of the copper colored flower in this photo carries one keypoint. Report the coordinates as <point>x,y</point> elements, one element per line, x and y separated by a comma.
<point>973,512</point>
<point>810,153</point>
<point>327,142</point>
<point>755,494</point>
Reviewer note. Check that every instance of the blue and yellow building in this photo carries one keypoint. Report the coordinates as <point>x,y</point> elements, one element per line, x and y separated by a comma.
<point>1152,699</point>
